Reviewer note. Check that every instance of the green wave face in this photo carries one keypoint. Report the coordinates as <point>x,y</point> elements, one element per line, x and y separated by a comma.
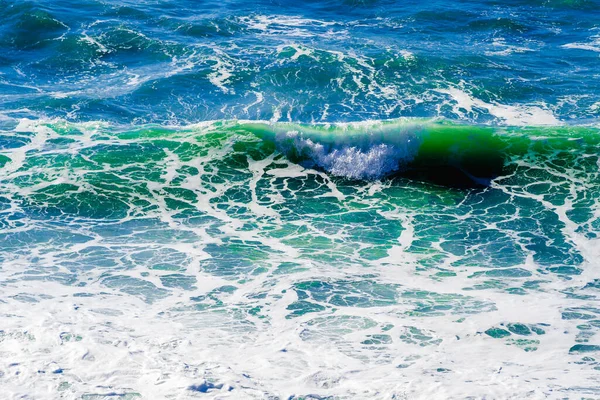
<point>426,150</point>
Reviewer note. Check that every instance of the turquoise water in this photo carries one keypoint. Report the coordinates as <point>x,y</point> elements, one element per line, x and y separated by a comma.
<point>315,200</point>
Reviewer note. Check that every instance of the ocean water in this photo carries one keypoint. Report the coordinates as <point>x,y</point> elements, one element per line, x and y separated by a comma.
<point>335,199</point>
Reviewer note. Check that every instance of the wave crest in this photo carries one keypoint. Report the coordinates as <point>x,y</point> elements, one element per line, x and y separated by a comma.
<point>371,155</point>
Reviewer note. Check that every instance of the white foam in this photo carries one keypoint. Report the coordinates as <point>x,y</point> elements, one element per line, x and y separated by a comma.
<point>515,115</point>
<point>293,26</point>
<point>592,45</point>
<point>259,99</point>
<point>87,38</point>
<point>505,49</point>
<point>299,51</point>
<point>223,71</point>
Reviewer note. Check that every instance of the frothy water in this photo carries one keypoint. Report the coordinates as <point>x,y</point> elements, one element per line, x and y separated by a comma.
<point>146,261</point>
<point>315,200</point>
<point>370,151</point>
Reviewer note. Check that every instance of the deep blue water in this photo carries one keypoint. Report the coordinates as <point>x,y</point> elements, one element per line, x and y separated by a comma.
<point>189,61</point>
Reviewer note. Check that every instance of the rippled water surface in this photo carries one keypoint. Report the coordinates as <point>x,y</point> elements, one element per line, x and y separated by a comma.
<point>299,200</point>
